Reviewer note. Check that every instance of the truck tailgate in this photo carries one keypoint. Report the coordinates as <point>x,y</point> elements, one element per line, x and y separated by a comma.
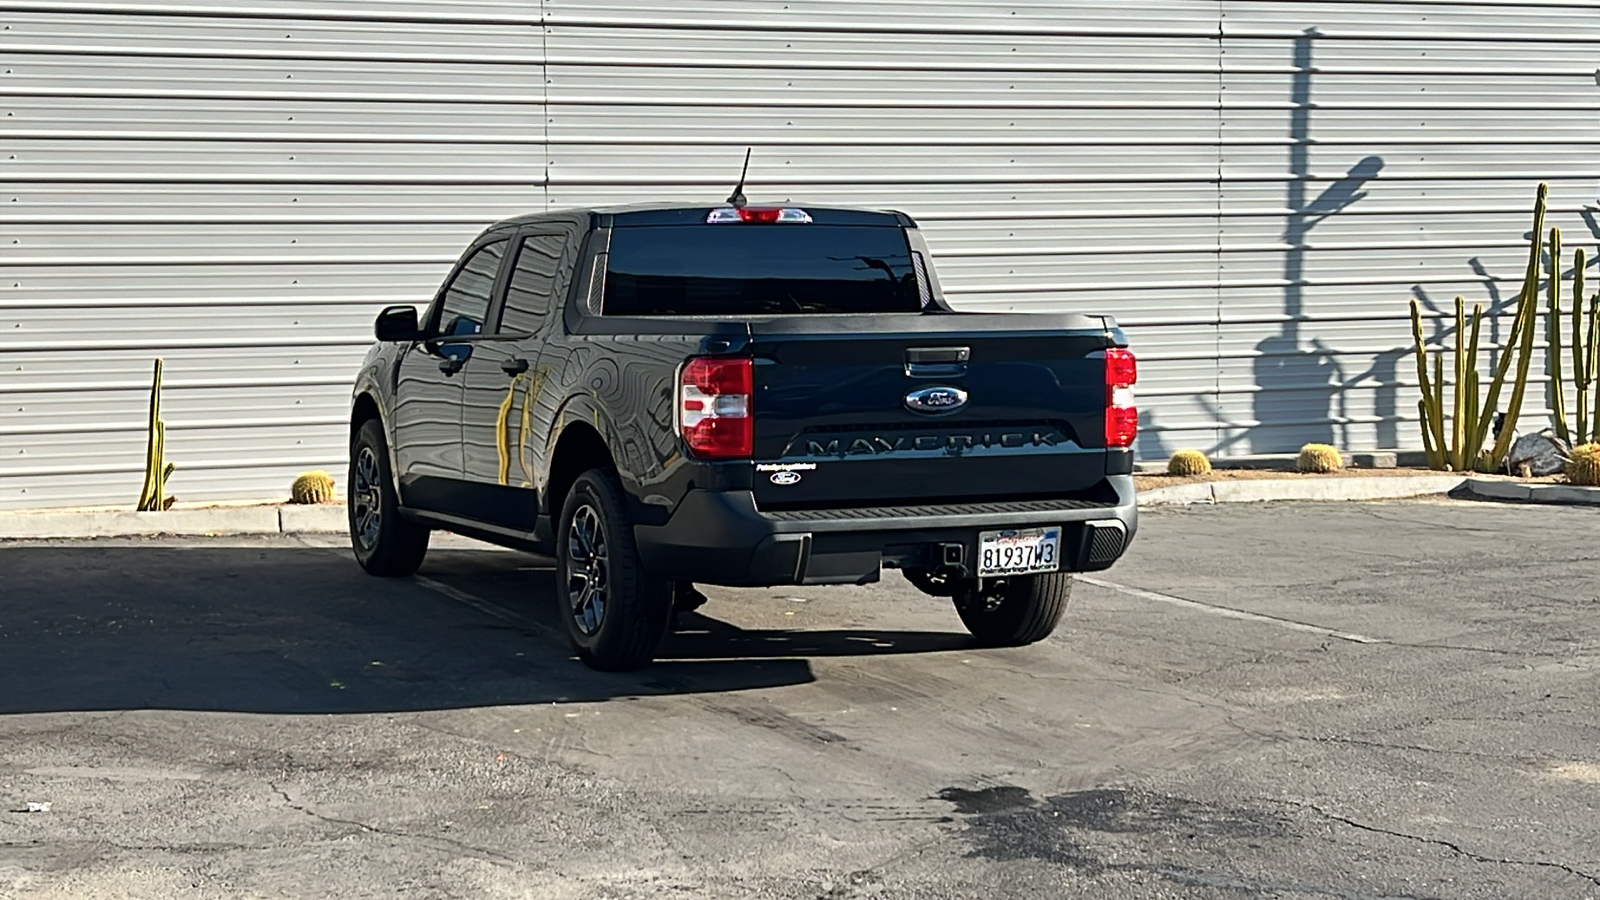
<point>928,409</point>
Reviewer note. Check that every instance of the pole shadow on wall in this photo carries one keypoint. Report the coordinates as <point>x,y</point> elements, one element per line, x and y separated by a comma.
<point>1299,382</point>
<point>1301,386</point>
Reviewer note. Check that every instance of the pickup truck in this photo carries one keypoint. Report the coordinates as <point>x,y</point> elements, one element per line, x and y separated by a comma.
<point>744,396</point>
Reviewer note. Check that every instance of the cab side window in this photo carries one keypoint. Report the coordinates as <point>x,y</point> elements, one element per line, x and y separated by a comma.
<point>529,296</point>
<point>466,300</point>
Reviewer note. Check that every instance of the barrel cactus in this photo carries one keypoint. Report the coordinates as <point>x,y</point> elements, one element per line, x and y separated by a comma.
<point>1319,458</point>
<point>1188,462</point>
<point>1584,465</point>
<point>312,487</point>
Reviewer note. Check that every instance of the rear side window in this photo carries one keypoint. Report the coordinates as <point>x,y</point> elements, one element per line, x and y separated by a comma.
<point>742,270</point>
<point>528,297</point>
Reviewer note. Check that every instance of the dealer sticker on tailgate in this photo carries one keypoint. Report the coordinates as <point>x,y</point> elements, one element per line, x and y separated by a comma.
<point>1018,551</point>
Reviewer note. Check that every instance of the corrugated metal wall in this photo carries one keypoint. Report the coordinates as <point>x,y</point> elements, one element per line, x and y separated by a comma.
<point>1255,187</point>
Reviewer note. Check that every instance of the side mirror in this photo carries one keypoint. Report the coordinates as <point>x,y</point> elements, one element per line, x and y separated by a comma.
<point>397,324</point>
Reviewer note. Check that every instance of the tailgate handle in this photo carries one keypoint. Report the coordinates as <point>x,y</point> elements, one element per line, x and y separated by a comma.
<point>936,362</point>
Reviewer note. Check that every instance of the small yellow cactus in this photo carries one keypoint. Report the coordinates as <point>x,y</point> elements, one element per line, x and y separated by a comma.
<point>1188,462</point>
<point>312,487</point>
<point>1319,458</point>
<point>1583,466</point>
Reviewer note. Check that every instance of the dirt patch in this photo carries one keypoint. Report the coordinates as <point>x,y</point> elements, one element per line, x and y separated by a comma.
<point>1151,482</point>
<point>1587,773</point>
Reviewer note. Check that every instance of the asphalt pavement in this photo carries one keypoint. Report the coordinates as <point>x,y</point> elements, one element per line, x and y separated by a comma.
<point>1282,700</point>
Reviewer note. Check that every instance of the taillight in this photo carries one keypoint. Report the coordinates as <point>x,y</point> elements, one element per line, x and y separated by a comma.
<point>714,409</point>
<point>758,214</point>
<point>1122,416</point>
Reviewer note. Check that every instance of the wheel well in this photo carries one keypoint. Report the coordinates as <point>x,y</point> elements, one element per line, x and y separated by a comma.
<point>365,408</point>
<point>580,449</point>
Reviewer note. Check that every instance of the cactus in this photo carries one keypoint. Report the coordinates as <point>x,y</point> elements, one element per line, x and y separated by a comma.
<point>1319,458</point>
<point>1188,462</point>
<point>1462,447</point>
<point>1585,345</point>
<point>1525,327</point>
<point>1558,399</point>
<point>153,496</point>
<point>1583,466</point>
<point>312,487</point>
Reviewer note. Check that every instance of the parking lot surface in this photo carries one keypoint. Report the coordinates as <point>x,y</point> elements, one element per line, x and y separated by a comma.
<point>1335,700</point>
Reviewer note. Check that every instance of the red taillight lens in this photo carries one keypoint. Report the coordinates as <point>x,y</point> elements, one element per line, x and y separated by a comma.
<point>1122,416</point>
<point>714,409</point>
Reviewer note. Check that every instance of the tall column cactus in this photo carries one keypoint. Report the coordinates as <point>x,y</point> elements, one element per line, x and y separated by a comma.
<point>1558,392</point>
<point>1523,328</point>
<point>1462,447</point>
<point>1580,361</point>
<point>1585,345</point>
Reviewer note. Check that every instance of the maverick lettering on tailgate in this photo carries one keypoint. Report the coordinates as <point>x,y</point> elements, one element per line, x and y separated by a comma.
<point>952,443</point>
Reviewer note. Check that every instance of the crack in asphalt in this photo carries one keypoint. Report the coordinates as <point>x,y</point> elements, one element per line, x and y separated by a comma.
<point>1441,842</point>
<point>213,847</point>
<point>482,853</point>
<point>1381,745</point>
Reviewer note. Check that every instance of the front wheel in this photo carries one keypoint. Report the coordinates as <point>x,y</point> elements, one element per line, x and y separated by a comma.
<point>615,613</point>
<point>1014,611</point>
<point>384,543</point>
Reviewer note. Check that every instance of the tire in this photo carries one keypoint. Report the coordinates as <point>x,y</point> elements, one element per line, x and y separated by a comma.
<point>385,544</point>
<point>1017,611</point>
<point>615,613</point>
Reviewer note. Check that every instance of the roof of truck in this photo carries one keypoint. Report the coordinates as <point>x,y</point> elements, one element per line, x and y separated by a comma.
<point>683,214</point>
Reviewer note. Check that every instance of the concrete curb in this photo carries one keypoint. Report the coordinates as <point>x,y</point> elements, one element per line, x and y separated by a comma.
<point>325,519</point>
<point>1321,489</point>
<point>1566,494</point>
<point>182,522</point>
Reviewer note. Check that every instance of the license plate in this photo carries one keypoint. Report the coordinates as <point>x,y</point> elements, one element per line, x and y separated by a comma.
<point>1018,551</point>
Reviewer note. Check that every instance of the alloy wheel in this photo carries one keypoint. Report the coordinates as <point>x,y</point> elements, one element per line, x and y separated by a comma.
<point>366,498</point>
<point>588,569</point>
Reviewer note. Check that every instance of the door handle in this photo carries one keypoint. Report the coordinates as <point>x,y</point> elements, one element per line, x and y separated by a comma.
<point>513,367</point>
<point>937,362</point>
<point>452,364</point>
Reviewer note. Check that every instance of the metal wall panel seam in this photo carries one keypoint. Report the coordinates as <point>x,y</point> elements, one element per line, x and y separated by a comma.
<point>544,96</point>
<point>832,180</point>
<point>175,425</point>
<point>543,17</point>
<point>246,12</point>
<point>45,387</point>
<point>1221,103</point>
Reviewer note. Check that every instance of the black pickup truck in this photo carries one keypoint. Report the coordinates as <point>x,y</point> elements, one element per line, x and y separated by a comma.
<point>743,396</point>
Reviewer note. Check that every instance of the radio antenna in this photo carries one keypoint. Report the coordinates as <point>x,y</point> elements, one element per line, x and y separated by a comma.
<point>737,197</point>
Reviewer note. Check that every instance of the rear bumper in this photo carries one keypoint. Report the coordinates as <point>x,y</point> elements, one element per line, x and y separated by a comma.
<point>719,537</point>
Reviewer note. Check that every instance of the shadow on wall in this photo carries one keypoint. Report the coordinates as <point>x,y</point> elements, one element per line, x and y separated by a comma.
<point>1301,388</point>
<point>1299,382</point>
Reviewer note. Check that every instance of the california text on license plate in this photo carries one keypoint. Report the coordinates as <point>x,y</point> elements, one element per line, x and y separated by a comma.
<point>1019,551</point>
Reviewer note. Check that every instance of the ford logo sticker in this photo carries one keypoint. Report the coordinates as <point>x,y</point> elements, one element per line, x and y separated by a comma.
<point>936,400</point>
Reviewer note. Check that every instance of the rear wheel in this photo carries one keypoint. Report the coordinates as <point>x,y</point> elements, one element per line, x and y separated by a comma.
<point>384,543</point>
<point>1014,611</point>
<point>615,613</point>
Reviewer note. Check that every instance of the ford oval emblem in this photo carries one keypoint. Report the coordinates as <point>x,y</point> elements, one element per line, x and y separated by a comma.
<point>786,477</point>
<point>936,400</point>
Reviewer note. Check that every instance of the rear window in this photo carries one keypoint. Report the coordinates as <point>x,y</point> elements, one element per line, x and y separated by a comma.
<point>741,270</point>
